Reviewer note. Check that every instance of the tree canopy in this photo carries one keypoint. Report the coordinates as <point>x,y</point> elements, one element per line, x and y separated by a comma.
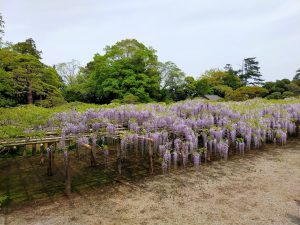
<point>68,71</point>
<point>282,88</point>
<point>1,27</point>
<point>172,80</point>
<point>296,78</point>
<point>251,72</point>
<point>127,72</point>
<point>27,80</point>
<point>128,67</point>
<point>27,47</point>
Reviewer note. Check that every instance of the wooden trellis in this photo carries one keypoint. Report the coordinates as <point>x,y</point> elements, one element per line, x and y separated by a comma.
<point>50,143</point>
<point>53,140</point>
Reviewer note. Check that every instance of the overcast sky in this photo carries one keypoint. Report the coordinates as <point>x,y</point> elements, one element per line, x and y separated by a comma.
<point>197,35</point>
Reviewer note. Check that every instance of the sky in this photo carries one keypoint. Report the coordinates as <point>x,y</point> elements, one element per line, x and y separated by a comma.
<point>197,35</point>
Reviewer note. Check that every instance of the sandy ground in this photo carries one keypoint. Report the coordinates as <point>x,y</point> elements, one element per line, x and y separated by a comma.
<point>262,187</point>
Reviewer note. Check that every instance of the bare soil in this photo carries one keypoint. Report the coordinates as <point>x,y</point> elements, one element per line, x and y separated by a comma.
<point>263,187</point>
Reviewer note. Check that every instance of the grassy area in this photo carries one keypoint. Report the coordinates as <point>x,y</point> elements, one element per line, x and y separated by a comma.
<point>14,121</point>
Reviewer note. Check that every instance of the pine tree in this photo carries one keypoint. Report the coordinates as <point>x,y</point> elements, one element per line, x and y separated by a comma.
<point>297,76</point>
<point>1,27</point>
<point>250,72</point>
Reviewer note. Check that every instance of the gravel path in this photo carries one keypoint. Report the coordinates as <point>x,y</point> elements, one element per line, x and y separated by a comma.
<point>262,187</point>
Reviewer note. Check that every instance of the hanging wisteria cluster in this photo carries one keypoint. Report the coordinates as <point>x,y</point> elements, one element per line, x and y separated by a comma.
<point>188,131</point>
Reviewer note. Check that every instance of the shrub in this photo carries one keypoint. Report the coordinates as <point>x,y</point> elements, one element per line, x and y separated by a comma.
<point>236,96</point>
<point>287,94</point>
<point>222,90</point>
<point>247,92</point>
<point>274,95</point>
<point>252,91</point>
<point>5,102</point>
<point>130,99</point>
<point>4,199</point>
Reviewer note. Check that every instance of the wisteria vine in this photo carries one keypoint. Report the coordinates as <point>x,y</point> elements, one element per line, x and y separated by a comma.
<point>188,131</point>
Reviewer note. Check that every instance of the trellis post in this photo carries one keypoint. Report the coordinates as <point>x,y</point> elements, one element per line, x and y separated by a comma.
<point>151,156</point>
<point>67,174</point>
<point>50,160</point>
<point>119,159</point>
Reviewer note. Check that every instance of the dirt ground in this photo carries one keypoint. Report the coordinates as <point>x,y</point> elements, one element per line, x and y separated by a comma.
<point>263,187</point>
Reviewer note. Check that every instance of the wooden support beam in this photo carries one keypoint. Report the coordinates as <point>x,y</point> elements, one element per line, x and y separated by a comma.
<point>33,152</point>
<point>25,141</point>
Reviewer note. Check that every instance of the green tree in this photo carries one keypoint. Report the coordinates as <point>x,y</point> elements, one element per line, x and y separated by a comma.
<point>281,86</point>
<point>231,79</point>
<point>216,77</point>
<point>251,72</point>
<point>296,78</point>
<point>1,27</point>
<point>172,79</point>
<point>190,87</point>
<point>126,67</point>
<point>32,80</point>
<point>203,87</point>
<point>68,71</point>
<point>27,47</point>
<point>7,90</point>
<point>79,89</point>
<point>292,87</point>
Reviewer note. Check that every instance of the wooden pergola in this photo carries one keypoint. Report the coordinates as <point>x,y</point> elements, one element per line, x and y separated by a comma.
<point>49,143</point>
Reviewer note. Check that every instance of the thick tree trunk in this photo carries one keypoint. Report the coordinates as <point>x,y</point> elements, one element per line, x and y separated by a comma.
<point>29,93</point>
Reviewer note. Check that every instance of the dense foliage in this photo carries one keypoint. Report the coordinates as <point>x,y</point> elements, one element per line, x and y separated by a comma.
<point>251,72</point>
<point>25,79</point>
<point>127,72</point>
<point>18,121</point>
